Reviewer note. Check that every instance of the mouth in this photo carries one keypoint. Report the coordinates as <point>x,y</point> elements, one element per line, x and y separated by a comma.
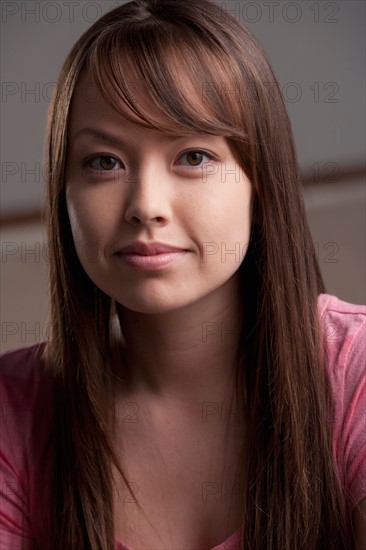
<point>149,256</point>
<point>148,249</point>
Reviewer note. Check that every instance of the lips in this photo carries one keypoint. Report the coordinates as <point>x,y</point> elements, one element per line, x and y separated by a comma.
<point>148,249</point>
<point>149,256</point>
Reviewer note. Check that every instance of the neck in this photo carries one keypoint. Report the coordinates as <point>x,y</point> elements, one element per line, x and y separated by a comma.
<point>189,355</point>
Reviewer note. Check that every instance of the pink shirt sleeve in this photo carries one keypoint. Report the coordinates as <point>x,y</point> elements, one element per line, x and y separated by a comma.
<point>345,331</point>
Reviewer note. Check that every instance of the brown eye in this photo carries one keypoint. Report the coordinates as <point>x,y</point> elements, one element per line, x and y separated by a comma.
<point>194,158</point>
<point>107,163</point>
<point>103,163</point>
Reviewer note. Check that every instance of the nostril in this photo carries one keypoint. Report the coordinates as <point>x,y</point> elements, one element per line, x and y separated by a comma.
<point>138,220</point>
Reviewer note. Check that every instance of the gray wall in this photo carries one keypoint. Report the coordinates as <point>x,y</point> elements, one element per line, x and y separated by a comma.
<point>317,50</point>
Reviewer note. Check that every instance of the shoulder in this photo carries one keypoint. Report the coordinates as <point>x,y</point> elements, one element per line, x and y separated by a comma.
<point>344,328</point>
<point>343,323</point>
<point>24,392</point>
<point>19,361</point>
<point>25,386</point>
<point>22,363</point>
<point>26,417</point>
<point>22,375</point>
<point>26,402</point>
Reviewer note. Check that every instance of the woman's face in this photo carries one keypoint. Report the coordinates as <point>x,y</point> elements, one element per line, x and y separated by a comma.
<point>185,196</point>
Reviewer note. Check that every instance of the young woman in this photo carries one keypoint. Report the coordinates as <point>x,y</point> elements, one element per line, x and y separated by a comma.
<point>198,389</point>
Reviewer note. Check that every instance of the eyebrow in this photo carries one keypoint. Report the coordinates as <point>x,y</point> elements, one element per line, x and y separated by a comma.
<point>99,134</point>
<point>113,139</point>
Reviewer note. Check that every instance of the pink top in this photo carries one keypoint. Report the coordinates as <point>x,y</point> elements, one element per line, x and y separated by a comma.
<point>25,397</point>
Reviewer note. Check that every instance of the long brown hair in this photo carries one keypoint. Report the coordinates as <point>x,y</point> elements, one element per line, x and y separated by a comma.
<point>292,496</point>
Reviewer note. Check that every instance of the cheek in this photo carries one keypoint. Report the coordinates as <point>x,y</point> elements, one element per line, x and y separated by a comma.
<point>89,229</point>
<point>90,222</point>
<point>220,224</point>
<point>230,212</point>
<point>233,227</point>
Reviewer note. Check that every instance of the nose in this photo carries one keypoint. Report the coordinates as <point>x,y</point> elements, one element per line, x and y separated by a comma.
<point>148,201</point>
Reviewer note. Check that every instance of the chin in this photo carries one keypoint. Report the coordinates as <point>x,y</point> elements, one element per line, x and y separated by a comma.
<point>150,303</point>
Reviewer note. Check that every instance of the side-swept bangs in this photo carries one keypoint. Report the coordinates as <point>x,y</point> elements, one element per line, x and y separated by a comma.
<point>193,81</point>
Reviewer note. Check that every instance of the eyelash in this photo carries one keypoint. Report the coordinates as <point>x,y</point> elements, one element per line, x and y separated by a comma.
<point>89,160</point>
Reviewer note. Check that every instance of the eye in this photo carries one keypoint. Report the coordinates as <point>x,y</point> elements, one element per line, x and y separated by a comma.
<point>195,158</point>
<point>102,163</point>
